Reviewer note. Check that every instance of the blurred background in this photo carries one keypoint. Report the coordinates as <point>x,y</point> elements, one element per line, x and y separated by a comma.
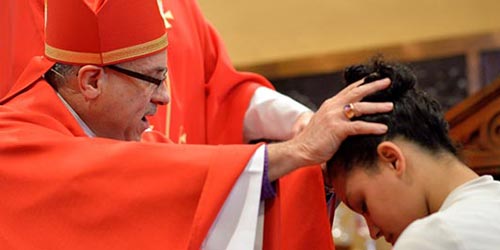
<point>303,47</point>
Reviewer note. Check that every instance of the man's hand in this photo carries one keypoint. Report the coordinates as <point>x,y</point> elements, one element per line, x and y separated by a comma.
<point>328,127</point>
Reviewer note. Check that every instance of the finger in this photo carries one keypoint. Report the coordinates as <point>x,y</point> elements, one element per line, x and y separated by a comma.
<point>362,127</point>
<point>358,93</point>
<point>367,108</point>
<point>351,87</point>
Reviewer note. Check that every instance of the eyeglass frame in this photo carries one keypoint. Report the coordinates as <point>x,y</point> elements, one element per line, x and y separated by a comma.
<point>137,75</point>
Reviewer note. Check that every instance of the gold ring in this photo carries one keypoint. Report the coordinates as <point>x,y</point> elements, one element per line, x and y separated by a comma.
<point>349,111</point>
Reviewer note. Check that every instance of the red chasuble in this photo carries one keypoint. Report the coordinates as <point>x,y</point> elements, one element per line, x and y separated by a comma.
<point>208,102</point>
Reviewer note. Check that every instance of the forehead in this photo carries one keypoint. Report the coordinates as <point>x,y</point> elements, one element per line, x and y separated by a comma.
<point>347,183</point>
<point>339,184</point>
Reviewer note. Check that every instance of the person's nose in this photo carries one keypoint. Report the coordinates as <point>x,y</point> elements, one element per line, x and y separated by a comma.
<point>375,232</point>
<point>160,96</point>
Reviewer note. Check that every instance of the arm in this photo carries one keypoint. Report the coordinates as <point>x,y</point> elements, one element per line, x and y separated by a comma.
<point>273,116</point>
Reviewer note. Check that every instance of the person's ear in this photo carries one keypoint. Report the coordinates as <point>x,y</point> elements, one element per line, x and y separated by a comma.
<point>391,154</point>
<point>89,81</point>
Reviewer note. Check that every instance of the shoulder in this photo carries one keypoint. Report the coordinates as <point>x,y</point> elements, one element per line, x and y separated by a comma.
<point>432,232</point>
<point>469,219</point>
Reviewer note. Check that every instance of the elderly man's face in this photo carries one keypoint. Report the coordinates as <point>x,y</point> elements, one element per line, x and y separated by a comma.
<point>127,102</point>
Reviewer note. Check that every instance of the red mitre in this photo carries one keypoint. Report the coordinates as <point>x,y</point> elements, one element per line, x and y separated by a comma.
<point>98,32</point>
<point>103,32</point>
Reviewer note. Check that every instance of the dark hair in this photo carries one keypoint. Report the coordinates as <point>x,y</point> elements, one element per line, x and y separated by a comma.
<point>58,74</point>
<point>416,116</point>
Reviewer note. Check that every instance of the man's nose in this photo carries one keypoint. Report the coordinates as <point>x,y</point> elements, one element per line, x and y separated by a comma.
<point>160,95</point>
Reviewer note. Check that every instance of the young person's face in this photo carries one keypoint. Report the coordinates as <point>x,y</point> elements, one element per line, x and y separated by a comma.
<point>387,202</point>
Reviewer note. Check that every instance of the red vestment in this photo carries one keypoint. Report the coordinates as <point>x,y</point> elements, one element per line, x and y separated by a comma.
<point>208,102</point>
<point>63,190</point>
<point>21,37</point>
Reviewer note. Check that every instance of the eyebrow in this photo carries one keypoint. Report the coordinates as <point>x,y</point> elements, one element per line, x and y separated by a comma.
<point>156,70</point>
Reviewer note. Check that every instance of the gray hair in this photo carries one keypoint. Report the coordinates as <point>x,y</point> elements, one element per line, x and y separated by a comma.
<point>60,73</point>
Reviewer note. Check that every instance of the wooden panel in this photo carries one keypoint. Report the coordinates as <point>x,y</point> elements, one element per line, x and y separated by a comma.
<point>490,66</point>
<point>475,123</point>
<point>406,52</point>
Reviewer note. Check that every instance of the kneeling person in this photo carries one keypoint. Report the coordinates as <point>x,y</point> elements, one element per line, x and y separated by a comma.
<point>409,184</point>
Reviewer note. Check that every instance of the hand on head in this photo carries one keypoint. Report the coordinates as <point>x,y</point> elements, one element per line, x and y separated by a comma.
<point>328,127</point>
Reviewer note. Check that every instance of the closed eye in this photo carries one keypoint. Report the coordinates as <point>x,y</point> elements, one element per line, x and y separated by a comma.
<point>364,208</point>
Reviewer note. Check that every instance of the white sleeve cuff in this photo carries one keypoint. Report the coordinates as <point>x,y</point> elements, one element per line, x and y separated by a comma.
<point>271,115</point>
<point>237,222</point>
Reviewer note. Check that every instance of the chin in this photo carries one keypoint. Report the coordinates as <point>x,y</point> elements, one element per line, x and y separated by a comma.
<point>134,138</point>
<point>131,137</point>
<point>134,134</point>
<point>394,239</point>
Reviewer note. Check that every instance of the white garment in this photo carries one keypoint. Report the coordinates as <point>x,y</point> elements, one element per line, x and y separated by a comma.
<point>271,115</point>
<point>469,219</point>
<point>238,225</point>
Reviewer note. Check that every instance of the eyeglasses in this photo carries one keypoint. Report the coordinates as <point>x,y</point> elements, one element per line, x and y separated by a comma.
<point>137,75</point>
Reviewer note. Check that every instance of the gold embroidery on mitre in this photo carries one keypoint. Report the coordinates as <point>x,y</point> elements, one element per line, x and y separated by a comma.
<point>72,56</point>
<point>136,50</point>
<point>106,57</point>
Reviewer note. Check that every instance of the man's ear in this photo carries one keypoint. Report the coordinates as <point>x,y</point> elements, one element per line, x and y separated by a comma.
<point>89,81</point>
<point>391,154</point>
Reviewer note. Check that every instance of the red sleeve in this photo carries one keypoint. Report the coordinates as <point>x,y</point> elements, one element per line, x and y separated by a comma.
<point>297,218</point>
<point>61,192</point>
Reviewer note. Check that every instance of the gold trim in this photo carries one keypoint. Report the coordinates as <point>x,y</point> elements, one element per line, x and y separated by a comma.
<point>134,51</point>
<point>107,57</point>
<point>72,56</point>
